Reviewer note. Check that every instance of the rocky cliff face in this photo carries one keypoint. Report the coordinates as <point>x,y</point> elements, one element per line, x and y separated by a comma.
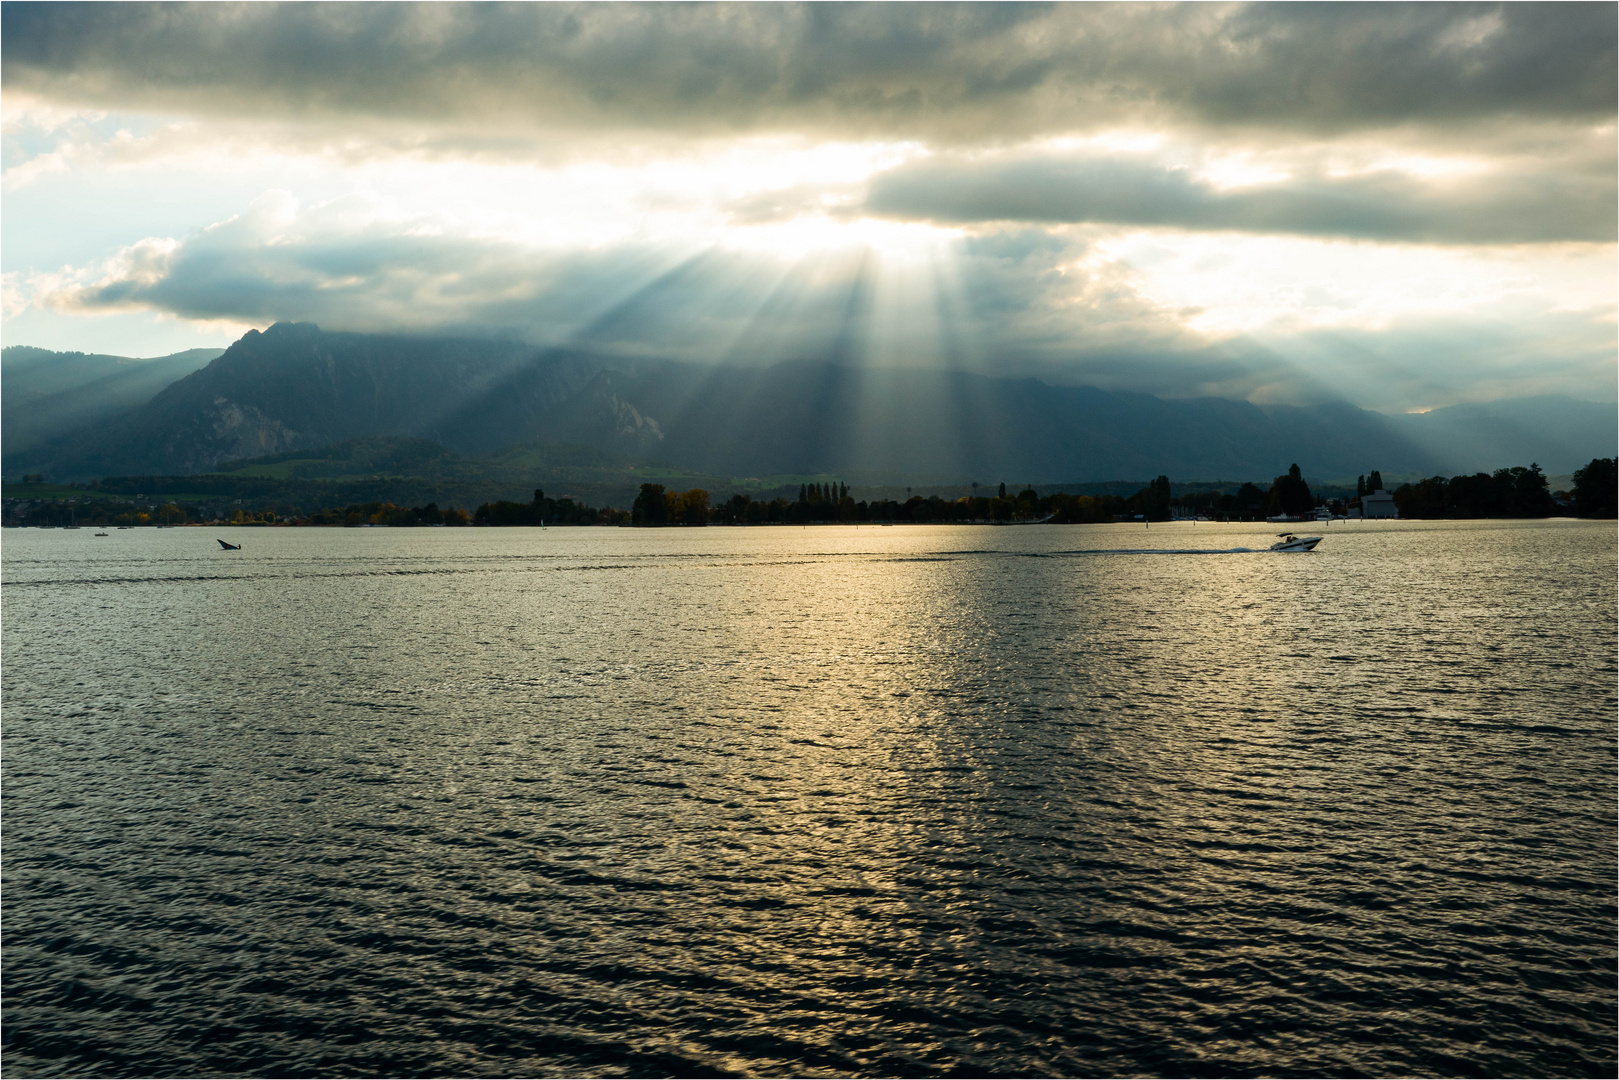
<point>243,431</point>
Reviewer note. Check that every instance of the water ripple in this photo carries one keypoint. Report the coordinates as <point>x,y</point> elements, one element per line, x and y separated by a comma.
<point>811,803</point>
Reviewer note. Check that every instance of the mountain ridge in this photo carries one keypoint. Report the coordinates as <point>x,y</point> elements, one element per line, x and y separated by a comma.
<point>49,394</point>
<point>295,387</point>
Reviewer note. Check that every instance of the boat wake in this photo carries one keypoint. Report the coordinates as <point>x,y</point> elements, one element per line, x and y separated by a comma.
<point>1162,551</point>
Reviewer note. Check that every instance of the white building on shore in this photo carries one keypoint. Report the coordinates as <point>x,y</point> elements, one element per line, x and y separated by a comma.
<point>1378,504</point>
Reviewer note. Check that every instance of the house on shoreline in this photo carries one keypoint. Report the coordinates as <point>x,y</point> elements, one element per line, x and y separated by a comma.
<point>1378,504</point>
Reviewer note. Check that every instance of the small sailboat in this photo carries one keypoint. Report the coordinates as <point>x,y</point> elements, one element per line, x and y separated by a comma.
<point>229,547</point>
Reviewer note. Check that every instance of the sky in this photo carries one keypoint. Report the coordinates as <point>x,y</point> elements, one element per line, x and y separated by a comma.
<point>1402,206</point>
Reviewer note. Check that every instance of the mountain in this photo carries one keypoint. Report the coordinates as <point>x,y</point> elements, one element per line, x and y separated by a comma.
<point>1560,433</point>
<point>49,394</point>
<point>948,425</point>
<point>291,387</point>
<point>295,388</point>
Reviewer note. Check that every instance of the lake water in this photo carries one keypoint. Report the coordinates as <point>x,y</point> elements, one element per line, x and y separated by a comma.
<point>826,801</point>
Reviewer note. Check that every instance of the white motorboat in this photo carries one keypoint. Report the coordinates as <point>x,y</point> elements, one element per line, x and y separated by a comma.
<point>1289,542</point>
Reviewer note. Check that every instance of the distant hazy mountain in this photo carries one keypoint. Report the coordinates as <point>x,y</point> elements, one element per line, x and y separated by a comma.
<point>295,388</point>
<point>872,424</point>
<point>292,387</point>
<point>45,394</point>
<point>1558,432</point>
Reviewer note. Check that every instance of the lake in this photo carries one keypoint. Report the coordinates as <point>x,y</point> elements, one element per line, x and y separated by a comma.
<point>900,801</point>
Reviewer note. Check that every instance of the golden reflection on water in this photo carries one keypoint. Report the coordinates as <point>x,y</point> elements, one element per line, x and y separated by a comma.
<point>823,801</point>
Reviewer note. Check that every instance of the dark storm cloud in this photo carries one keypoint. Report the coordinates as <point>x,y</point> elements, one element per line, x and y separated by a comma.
<point>1549,205</point>
<point>937,72</point>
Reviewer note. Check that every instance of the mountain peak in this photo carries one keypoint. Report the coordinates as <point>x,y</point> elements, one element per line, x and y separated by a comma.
<point>286,328</point>
<point>293,387</point>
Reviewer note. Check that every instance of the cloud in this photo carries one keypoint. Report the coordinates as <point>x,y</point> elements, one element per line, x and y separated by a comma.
<point>349,264</point>
<point>1049,303</point>
<point>1013,300</point>
<point>944,73</point>
<point>1544,206</point>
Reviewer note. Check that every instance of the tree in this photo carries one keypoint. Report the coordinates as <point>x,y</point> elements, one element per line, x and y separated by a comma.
<point>651,508</point>
<point>1428,498</point>
<point>1152,501</point>
<point>1515,493</point>
<point>1525,490</point>
<point>689,507</point>
<point>1475,496</point>
<point>1596,489</point>
<point>1250,502</point>
<point>1082,509</point>
<point>1290,495</point>
<point>1374,482</point>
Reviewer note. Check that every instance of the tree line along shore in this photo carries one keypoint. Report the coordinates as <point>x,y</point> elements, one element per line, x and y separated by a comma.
<point>1518,492</point>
